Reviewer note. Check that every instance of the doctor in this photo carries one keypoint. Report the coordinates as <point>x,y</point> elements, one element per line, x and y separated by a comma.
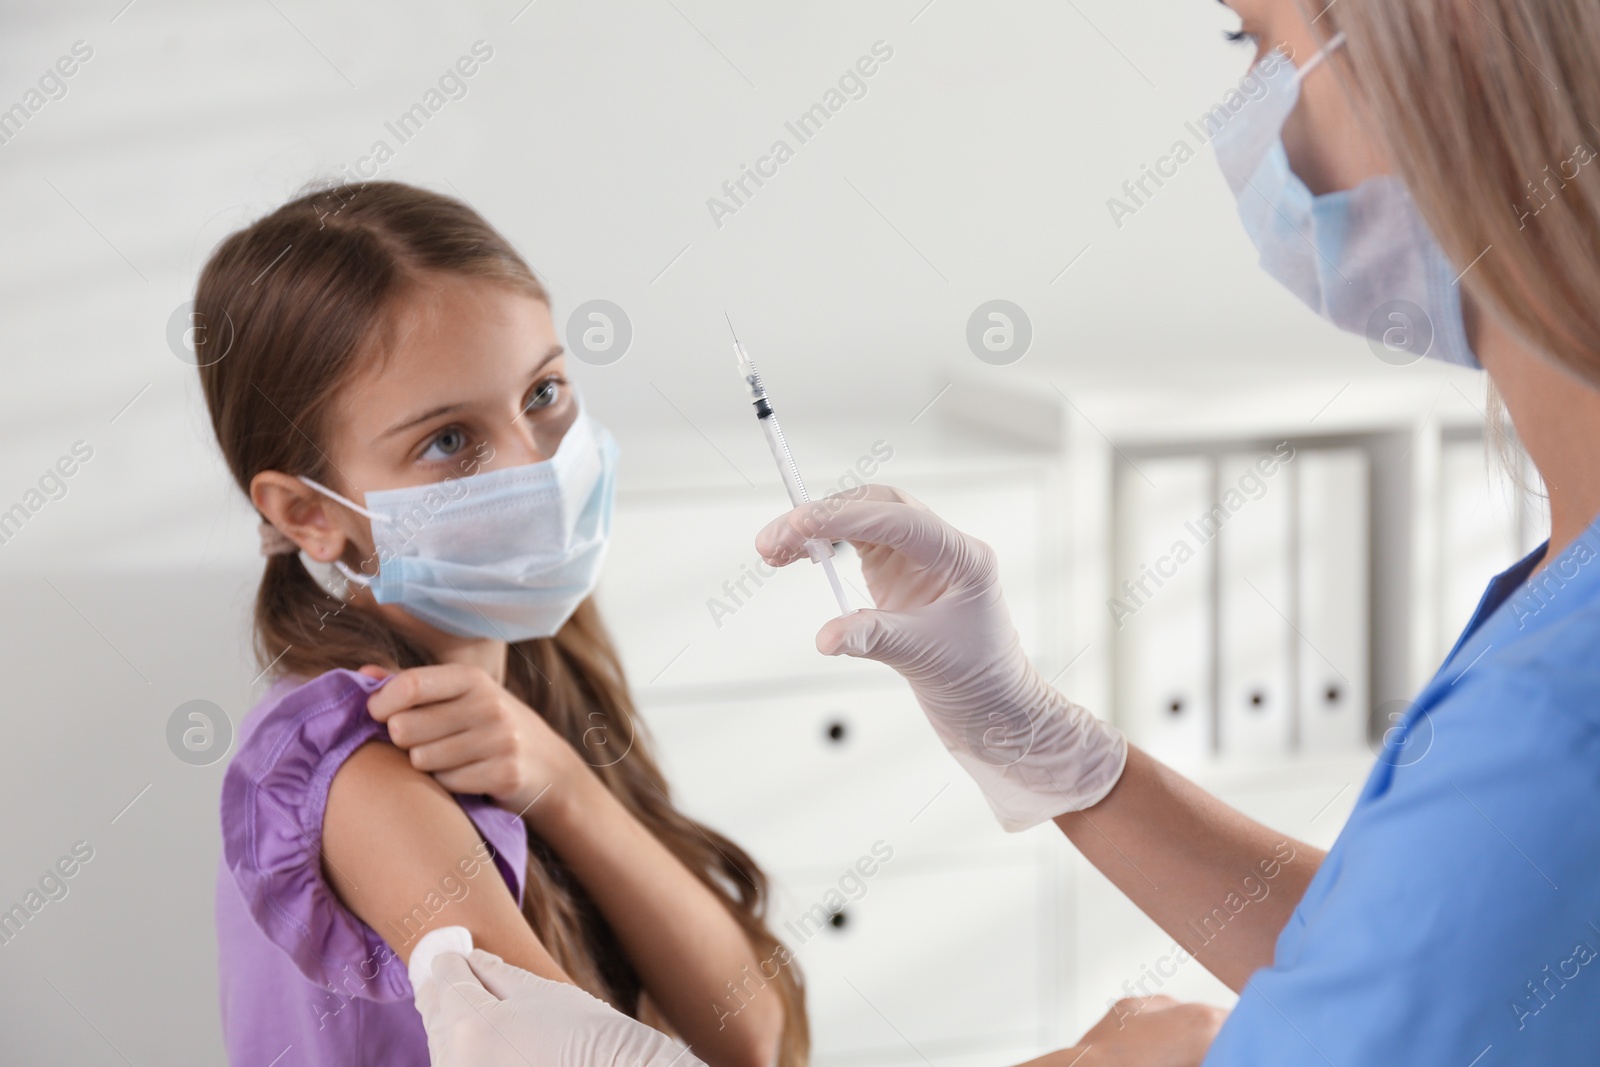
<point>1456,920</point>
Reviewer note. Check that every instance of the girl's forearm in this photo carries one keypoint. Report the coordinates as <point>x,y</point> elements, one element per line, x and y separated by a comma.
<point>1222,884</point>
<point>688,950</point>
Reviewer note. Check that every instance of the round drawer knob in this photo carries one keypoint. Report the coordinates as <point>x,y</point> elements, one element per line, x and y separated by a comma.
<point>836,731</point>
<point>838,920</point>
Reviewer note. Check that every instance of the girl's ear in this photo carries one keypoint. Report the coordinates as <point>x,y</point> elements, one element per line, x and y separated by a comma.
<point>301,513</point>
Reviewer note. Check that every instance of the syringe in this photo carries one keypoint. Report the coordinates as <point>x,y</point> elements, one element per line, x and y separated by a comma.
<point>821,550</point>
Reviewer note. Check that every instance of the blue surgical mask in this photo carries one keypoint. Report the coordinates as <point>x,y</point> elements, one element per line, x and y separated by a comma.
<point>506,554</point>
<point>1361,258</point>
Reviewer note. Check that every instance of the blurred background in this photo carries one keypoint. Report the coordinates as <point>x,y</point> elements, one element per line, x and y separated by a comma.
<point>943,293</point>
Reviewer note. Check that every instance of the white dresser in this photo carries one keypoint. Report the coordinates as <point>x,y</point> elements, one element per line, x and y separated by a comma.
<point>967,946</point>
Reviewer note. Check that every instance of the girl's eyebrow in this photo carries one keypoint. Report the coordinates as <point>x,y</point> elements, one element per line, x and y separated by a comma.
<point>445,409</point>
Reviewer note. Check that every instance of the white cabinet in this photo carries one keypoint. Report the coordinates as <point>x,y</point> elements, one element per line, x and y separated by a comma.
<point>808,781</point>
<point>926,961</point>
<point>691,604</point>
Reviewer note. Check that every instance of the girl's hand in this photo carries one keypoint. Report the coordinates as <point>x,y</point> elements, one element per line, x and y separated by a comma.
<point>462,727</point>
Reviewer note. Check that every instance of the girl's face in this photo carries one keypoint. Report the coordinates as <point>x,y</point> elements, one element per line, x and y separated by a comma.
<point>1327,145</point>
<point>473,379</point>
<point>469,378</point>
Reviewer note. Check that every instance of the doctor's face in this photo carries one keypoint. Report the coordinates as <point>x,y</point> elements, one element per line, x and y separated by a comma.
<point>1327,143</point>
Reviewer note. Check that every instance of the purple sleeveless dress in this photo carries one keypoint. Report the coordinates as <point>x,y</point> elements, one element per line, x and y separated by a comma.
<point>304,983</point>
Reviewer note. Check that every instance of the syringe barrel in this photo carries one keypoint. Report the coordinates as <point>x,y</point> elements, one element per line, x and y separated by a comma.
<point>819,550</point>
<point>791,477</point>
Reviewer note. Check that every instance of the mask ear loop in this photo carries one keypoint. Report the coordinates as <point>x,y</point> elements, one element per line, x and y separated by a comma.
<point>1334,44</point>
<point>339,564</point>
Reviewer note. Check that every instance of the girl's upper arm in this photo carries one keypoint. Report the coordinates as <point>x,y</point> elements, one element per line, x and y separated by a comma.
<point>404,858</point>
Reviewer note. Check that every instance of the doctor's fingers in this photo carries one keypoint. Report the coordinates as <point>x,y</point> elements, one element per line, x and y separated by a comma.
<point>867,634</point>
<point>501,978</point>
<point>910,529</point>
<point>418,686</point>
<point>456,987</point>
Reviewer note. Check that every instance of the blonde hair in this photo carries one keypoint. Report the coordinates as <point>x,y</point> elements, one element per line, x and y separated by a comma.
<point>1488,111</point>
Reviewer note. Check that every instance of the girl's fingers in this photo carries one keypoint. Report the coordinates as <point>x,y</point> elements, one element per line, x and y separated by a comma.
<point>418,686</point>
<point>469,779</point>
<point>457,750</point>
<point>418,726</point>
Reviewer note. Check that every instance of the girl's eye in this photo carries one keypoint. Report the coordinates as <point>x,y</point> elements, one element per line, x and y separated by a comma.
<point>445,444</point>
<point>546,394</point>
<point>1239,37</point>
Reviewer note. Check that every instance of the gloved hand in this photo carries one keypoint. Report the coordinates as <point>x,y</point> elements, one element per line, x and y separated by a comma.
<point>942,623</point>
<point>480,1011</point>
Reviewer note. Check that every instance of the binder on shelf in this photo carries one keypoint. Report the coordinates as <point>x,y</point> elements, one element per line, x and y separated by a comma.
<point>1162,607</point>
<point>1251,520</point>
<point>1334,567</point>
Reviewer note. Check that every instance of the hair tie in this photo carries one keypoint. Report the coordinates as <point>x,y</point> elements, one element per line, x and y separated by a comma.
<point>274,542</point>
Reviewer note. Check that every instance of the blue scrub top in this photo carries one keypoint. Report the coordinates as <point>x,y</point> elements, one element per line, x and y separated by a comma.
<point>1456,920</point>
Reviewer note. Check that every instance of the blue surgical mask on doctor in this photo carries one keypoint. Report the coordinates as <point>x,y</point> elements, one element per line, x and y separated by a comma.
<point>1362,258</point>
<point>507,553</point>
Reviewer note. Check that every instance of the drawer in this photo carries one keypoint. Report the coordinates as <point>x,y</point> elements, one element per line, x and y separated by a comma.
<point>922,961</point>
<point>690,603</point>
<point>808,780</point>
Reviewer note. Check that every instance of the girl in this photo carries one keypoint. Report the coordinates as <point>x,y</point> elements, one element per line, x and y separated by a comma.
<point>448,739</point>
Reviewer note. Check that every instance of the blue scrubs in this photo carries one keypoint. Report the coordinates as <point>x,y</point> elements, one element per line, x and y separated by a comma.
<point>1456,921</point>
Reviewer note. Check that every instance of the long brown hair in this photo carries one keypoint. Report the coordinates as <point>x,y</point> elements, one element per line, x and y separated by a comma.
<point>293,305</point>
<point>1489,111</point>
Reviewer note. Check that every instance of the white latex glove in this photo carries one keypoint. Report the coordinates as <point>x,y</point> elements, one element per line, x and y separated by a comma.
<point>942,623</point>
<point>480,1011</point>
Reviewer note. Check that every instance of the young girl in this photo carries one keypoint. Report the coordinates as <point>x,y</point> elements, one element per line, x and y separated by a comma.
<point>449,739</point>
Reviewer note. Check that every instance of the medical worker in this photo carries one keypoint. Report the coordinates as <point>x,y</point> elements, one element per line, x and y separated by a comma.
<point>1456,920</point>
<point>1436,153</point>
